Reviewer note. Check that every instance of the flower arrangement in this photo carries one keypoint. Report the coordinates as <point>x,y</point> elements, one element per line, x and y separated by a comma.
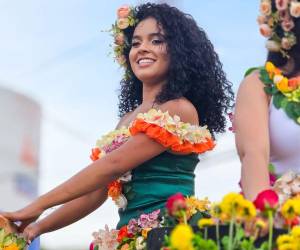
<point>238,213</point>
<point>277,25</point>
<point>285,92</point>
<point>125,20</point>
<point>9,240</point>
<point>133,236</point>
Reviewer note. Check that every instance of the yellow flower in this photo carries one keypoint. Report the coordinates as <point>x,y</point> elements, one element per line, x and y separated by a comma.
<point>145,232</point>
<point>288,246</point>
<point>296,232</point>
<point>194,205</point>
<point>13,246</point>
<point>259,223</point>
<point>181,237</point>
<point>282,83</point>
<point>216,210</point>
<point>270,67</point>
<point>231,203</point>
<point>284,239</point>
<point>205,222</point>
<point>247,210</point>
<point>290,209</point>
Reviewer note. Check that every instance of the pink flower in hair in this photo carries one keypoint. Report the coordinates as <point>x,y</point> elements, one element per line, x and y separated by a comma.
<point>287,25</point>
<point>282,4</point>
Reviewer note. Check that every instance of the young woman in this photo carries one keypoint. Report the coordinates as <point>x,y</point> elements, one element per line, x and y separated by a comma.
<point>174,83</point>
<point>267,117</point>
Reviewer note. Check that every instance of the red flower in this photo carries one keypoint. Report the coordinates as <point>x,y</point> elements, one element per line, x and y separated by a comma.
<point>175,203</point>
<point>95,154</point>
<point>123,233</point>
<point>292,222</point>
<point>91,246</point>
<point>267,199</point>
<point>114,189</point>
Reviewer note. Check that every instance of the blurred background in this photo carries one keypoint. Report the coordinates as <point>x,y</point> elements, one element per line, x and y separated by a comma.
<point>58,94</point>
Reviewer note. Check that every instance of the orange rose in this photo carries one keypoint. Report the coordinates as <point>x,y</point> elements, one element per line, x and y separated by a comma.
<point>266,8</point>
<point>265,30</point>
<point>123,11</point>
<point>295,9</point>
<point>114,189</point>
<point>285,43</point>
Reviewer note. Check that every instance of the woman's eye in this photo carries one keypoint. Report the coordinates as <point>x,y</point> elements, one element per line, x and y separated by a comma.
<point>157,41</point>
<point>135,44</point>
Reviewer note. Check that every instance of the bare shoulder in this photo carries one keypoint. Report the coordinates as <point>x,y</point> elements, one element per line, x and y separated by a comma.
<point>183,108</point>
<point>252,85</point>
<point>123,119</point>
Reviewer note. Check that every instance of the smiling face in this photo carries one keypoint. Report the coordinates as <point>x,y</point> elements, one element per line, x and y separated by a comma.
<point>148,56</point>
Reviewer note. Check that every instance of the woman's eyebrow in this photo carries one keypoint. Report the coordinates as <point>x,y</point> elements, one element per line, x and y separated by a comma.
<point>150,35</point>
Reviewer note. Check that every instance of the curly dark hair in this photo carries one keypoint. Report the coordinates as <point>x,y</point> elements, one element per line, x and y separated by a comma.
<point>195,71</point>
<point>294,53</point>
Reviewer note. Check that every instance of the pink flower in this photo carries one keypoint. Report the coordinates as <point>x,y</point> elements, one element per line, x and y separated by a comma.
<point>123,23</point>
<point>120,39</point>
<point>265,30</point>
<point>175,203</point>
<point>123,11</point>
<point>287,25</point>
<point>295,9</point>
<point>267,199</point>
<point>266,8</point>
<point>282,4</point>
<point>133,226</point>
<point>149,220</point>
<point>261,19</point>
<point>105,239</point>
<point>284,15</point>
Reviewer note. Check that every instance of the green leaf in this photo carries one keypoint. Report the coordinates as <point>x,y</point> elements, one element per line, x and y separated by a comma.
<point>264,77</point>
<point>289,109</point>
<point>249,71</point>
<point>277,100</point>
<point>2,235</point>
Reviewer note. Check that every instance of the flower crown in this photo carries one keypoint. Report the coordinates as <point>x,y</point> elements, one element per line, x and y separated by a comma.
<point>125,19</point>
<point>270,20</point>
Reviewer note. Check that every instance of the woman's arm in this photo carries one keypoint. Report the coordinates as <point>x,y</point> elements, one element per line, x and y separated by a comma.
<point>67,214</point>
<point>252,135</point>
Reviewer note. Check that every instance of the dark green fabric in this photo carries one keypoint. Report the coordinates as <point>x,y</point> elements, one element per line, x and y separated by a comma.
<point>154,181</point>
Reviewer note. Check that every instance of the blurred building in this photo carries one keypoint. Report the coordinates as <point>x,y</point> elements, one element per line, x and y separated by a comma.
<point>20,122</point>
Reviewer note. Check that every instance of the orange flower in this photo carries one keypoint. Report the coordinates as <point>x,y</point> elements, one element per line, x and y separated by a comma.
<point>123,233</point>
<point>168,139</point>
<point>13,246</point>
<point>294,83</point>
<point>114,189</point>
<point>95,154</point>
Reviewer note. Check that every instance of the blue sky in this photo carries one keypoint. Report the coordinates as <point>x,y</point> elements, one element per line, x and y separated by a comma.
<point>55,52</point>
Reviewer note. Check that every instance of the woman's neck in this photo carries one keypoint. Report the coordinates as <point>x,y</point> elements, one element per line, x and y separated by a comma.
<point>150,92</point>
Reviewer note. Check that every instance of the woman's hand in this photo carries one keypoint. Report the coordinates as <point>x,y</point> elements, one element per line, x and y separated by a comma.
<point>32,231</point>
<point>24,216</point>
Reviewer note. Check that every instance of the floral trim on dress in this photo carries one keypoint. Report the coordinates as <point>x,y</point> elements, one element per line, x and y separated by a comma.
<point>160,126</point>
<point>173,133</point>
<point>105,145</point>
<point>285,92</point>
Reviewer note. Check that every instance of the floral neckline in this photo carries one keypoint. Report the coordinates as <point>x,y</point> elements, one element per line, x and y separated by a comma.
<point>285,92</point>
<point>167,130</point>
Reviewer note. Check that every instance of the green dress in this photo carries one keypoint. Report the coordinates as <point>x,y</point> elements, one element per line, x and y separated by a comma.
<point>155,180</point>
